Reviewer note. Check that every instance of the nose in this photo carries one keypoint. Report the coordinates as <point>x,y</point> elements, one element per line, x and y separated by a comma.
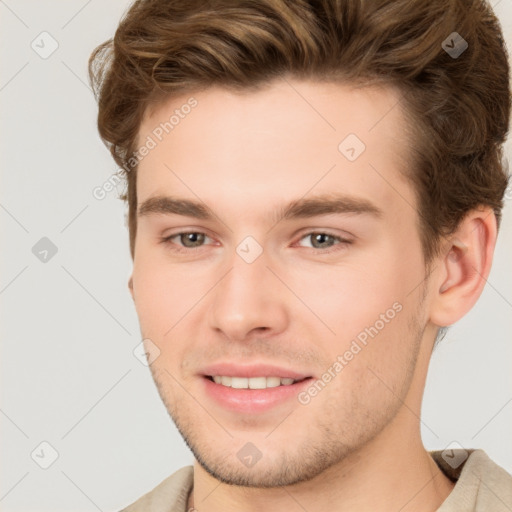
<point>248,301</point>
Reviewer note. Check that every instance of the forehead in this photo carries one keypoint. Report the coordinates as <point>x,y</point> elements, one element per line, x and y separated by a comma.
<point>285,139</point>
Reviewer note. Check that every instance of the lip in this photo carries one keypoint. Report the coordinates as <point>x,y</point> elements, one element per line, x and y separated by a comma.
<point>252,401</point>
<point>253,370</point>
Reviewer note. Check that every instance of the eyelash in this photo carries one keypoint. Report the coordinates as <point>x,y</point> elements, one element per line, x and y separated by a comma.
<point>181,249</point>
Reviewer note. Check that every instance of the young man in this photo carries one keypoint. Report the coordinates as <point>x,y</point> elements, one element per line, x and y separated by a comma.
<point>314,192</point>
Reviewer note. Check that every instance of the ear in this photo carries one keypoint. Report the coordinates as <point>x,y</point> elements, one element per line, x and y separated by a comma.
<point>463,267</point>
<point>130,286</point>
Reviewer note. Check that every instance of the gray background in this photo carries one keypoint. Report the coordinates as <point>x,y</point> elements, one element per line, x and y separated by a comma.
<point>69,328</point>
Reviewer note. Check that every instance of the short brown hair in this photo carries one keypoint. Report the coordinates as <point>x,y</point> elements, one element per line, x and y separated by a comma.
<point>458,107</point>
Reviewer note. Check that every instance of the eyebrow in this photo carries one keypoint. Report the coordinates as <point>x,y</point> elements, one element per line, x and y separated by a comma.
<point>327,204</point>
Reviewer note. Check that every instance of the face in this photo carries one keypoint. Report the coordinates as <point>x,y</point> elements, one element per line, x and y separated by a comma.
<point>269,245</point>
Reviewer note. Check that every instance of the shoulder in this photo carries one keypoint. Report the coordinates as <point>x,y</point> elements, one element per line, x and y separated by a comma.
<point>170,495</point>
<point>482,485</point>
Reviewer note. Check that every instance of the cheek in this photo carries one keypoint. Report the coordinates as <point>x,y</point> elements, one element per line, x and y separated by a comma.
<point>163,292</point>
<point>153,300</point>
<point>350,298</point>
<point>371,310</point>
<point>372,368</point>
<point>163,296</point>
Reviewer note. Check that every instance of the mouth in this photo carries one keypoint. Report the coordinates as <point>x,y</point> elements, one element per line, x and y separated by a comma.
<point>253,382</point>
<point>253,396</point>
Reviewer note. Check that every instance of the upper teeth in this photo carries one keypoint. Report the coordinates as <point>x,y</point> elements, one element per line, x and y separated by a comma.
<point>252,382</point>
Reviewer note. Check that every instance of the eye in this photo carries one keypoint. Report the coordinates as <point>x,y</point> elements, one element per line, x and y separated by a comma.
<point>187,239</point>
<point>322,240</point>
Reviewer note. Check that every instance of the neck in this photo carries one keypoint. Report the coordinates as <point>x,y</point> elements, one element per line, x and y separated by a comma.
<point>386,475</point>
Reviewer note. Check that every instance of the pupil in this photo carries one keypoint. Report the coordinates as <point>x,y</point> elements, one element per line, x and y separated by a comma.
<point>192,239</point>
<point>321,238</point>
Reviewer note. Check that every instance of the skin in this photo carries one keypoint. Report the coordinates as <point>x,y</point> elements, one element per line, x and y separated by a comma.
<point>300,304</point>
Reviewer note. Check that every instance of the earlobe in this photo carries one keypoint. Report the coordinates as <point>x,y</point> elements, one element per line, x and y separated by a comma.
<point>464,267</point>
